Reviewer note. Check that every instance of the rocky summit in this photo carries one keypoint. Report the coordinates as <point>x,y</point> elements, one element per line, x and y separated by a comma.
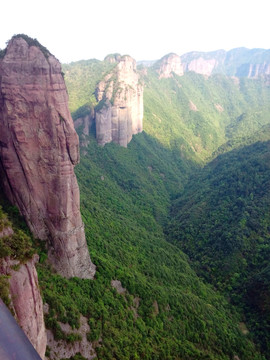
<point>168,65</point>
<point>38,152</point>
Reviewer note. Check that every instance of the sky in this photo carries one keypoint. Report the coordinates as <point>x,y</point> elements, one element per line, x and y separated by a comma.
<point>74,30</point>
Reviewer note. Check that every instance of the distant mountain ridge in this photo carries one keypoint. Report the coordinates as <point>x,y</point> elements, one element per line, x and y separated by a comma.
<point>240,62</point>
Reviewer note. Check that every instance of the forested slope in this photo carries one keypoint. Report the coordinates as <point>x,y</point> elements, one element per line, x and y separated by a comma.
<point>166,311</point>
<point>126,195</point>
<point>222,221</point>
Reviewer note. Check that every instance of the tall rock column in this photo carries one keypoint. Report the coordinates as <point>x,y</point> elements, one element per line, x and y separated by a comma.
<point>119,114</point>
<point>38,152</point>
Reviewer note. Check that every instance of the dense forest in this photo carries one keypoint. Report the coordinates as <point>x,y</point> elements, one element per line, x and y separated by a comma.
<point>177,223</point>
<point>196,178</point>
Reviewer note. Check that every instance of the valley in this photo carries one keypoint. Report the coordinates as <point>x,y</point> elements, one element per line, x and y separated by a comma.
<point>176,215</point>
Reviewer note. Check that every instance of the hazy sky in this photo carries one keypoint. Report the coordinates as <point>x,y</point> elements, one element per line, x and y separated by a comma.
<point>145,29</point>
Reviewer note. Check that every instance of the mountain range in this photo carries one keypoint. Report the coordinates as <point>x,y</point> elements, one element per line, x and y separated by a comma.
<point>174,203</point>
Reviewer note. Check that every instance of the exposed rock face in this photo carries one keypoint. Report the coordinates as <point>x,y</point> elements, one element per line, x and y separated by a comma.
<point>86,122</point>
<point>6,232</point>
<point>253,71</point>
<point>202,66</point>
<point>61,349</point>
<point>205,63</point>
<point>38,151</point>
<point>120,111</point>
<point>26,300</point>
<point>240,62</point>
<point>170,64</point>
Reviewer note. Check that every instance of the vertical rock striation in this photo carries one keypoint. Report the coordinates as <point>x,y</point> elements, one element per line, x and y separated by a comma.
<point>38,151</point>
<point>119,113</point>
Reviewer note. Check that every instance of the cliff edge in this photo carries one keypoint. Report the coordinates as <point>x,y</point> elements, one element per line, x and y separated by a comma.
<point>38,152</point>
<point>119,113</point>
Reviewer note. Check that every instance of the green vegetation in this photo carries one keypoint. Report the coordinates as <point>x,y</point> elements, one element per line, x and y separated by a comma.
<point>15,242</point>
<point>166,312</point>
<point>81,78</point>
<point>18,245</point>
<point>222,221</point>
<point>172,306</point>
<point>33,42</point>
<point>224,110</point>
<point>2,53</point>
<point>4,289</point>
<point>125,199</point>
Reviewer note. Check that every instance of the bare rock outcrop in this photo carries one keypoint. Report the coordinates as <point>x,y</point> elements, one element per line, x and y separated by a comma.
<point>119,113</point>
<point>38,152</point>
<point>202,66</point>
<point>253,71</point>
<point>170,64</point>
<point>85,123</point>
<point>26,300</point>
<point>62,349</point>
<point>240,62</point>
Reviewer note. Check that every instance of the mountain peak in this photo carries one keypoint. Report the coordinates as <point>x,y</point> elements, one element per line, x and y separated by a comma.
<point>169,64</point>
<point>38,150</point>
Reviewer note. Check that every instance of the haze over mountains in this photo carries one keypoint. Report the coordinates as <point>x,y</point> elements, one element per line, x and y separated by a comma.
<point>240,62</point>
<point>175,203</point>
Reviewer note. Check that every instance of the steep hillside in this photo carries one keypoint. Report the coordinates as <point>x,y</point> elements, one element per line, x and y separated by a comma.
<point>81,78</point>
<point>145,301</point>
<point>198,115</point>
<point>222,222</point>
<point>18,277</point>
<point>190,114</point>
<point>188,120</point>
<point>38,151</point>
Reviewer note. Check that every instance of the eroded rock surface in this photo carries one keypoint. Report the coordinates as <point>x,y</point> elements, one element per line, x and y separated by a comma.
<point>38,151</point>
<point>202,66</point>
<point>26,300</point>
<point>240,62</point>
<point>62,349</point>
<point>119,113</point>
<point>170,64</point>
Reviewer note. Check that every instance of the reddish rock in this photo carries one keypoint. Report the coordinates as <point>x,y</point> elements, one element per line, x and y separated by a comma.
<point>38,151</point>
<point>7,231</point>
<point>26,300</point>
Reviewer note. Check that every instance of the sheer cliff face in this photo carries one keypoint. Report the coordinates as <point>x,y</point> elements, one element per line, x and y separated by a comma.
<point>38,151</point>
<point>170,64</point>
<point>119,114</point>
<point>202,66</point>
<point>26,300</point>
<point>240,62</point>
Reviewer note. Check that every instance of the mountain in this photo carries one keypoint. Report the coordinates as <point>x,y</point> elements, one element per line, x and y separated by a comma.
<point>191,119</point>
<point>148,299</point>
<point>116,110</point>
<point>240,62</point>
<point>222,222</point>
<point>39,148</point>
<point>119,113</point>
